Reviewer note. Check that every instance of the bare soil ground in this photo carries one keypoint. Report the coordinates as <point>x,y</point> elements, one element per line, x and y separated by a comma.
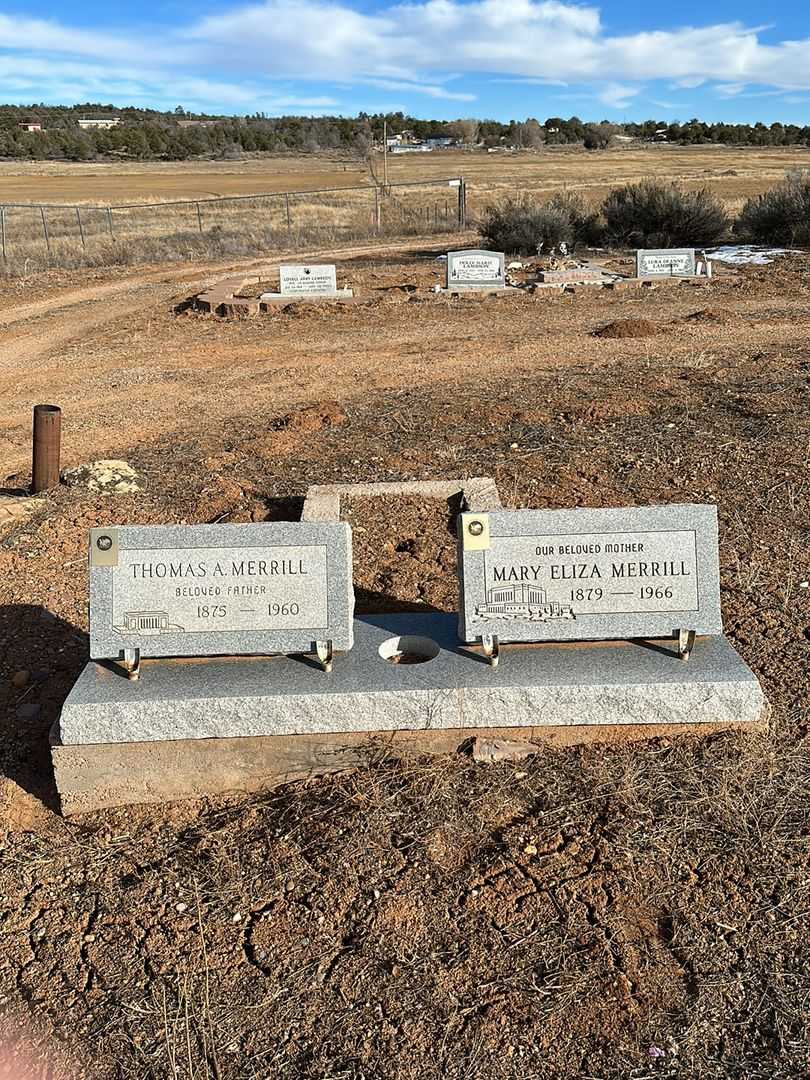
<point>624,911</point>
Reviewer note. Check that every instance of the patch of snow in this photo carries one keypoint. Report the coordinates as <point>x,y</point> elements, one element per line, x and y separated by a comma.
<point>747,254</point>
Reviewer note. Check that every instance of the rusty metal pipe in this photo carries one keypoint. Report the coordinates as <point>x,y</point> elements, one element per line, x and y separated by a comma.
<point>47,447</point>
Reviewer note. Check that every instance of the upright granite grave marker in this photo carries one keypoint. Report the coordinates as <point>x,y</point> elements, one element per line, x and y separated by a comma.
<point>585,575</point>
<point>308,280</point>
<point>212,590</point>
<point>316,282</point>
<point>667,262</point>
<point>476,270</point>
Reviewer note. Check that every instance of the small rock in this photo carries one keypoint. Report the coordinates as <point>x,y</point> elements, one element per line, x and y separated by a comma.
<point>488,750</point>
<point>106,475</point>
<point>530,849</point>
<point>181,908</point>
<point>20,679</point>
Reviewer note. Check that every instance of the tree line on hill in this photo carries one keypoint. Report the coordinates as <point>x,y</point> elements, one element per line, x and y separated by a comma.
<point>145,134</point>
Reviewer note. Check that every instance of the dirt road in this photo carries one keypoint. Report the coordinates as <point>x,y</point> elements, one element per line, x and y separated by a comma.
<point>51,347</point>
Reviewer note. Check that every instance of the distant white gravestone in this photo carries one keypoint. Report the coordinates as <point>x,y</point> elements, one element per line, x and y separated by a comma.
<point>308,280</point>
<point>476,270</point>
<point>666,262</point>
<point>316,282</point>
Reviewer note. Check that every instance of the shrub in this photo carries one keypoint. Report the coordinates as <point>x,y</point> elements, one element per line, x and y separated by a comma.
<point>652,214</point>
<point>781,215</point>
<point>520,226</point>
<point>599,136</point>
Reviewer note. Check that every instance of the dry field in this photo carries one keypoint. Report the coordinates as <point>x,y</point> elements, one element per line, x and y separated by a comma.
<point>231,229</point>
<point>735,173</point>
<point>621,911</point>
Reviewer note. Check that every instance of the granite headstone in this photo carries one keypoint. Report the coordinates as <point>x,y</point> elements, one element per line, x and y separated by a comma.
<point>476,269</point>
<point>209,590</point>
<point>580,575</point>
<point>667,262</point>
<point>308,280</point>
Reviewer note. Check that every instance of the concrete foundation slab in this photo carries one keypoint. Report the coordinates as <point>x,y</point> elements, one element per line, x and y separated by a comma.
<point>535,685</point>
<point>120,774</point>
<point>478,290</point>
<point>269,299</point>
<point>322,502</point>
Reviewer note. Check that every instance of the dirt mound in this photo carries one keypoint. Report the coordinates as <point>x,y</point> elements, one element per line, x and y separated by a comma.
<point>313,418</point>
<point>628,328</point>
<point>285,435</point>
<point>21,812</point>
<point>611,409</point>
<point>716,316</point>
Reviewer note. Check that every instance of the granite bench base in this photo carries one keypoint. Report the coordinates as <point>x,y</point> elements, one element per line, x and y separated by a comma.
<point>270,300</point>
<point>192,728</point>
<point>478,290</point>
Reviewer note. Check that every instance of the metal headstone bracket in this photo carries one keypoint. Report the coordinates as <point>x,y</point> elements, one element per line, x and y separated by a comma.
<point>686,642</point>
<point>492,648</point>
<point>132,663</point>
<point>324,652</point>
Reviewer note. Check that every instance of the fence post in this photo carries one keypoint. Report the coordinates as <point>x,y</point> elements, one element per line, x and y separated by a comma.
<point>462,202</point>
<point>45,229</point>
<point>81,227</point>
<point>289,219</point>
<point>109,221</point>
<point>199,216</point>
<point>377,215</point>
<point>3,231</point>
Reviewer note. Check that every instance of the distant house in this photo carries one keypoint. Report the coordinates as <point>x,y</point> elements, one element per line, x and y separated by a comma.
<point>98,123</point>
<point>405,148</point>
<point>443,143</point>
<point>30,125</point>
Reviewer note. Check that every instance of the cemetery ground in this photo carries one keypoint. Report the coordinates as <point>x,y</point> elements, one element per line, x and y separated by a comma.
<point>614,910</point>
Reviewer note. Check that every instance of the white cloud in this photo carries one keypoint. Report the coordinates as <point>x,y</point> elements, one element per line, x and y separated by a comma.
<point>408,47</point>
<point>416,88</point>
<point>617,95</point>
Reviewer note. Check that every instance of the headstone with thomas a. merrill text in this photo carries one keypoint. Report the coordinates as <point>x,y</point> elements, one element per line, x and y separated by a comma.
<point>213,590</point>
<point>586,575</point>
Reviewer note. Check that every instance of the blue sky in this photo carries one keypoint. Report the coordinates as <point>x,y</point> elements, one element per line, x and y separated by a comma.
<point>621,59</point>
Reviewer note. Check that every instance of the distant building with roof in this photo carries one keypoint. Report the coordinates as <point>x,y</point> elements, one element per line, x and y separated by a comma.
<point>98,123</point>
